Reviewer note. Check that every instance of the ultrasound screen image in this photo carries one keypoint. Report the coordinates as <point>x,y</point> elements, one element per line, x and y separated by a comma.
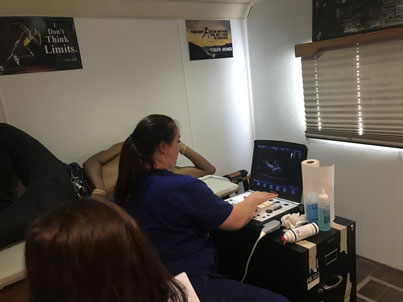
<point>278,169</point>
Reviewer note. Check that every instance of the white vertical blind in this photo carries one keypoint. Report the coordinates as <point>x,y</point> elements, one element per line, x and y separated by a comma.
<point>355,93</point>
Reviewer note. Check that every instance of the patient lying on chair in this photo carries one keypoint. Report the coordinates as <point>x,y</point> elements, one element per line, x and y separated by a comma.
<point>49,182</point>
<point>101,169</point>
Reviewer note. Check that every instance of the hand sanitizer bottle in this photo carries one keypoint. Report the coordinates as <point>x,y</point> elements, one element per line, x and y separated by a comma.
<point>324,211</point>
<point>311,207</point>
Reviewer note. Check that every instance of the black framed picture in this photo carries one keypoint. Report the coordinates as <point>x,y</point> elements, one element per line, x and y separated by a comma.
<point>209,39</point>
<point>34,44</point>
<point>338,18</point>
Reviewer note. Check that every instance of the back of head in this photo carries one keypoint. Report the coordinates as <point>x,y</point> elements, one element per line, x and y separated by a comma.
<point>93,251</point>
<point>138,149</point>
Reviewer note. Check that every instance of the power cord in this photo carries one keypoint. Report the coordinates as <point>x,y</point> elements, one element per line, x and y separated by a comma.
<point>268,228</point>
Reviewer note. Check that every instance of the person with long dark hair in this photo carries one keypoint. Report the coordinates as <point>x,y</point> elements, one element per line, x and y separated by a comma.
<point>92,251</point>
<point>178,211</point>
<point>101,169</point>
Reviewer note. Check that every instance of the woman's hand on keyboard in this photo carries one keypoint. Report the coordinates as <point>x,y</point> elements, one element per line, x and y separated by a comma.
<point>260,197</point>
<point>242,212</point>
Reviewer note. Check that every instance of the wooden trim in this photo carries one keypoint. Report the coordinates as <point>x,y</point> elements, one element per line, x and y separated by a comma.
<point>309,49</point>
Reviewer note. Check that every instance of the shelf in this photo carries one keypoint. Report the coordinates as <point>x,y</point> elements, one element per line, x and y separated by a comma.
<point>309,49</point>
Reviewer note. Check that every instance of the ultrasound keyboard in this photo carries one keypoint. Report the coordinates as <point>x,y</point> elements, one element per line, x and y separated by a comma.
<point>273,208</point>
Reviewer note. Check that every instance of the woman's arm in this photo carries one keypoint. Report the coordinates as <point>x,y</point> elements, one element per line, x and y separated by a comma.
<point>243,212</point>
<point>201,167</point>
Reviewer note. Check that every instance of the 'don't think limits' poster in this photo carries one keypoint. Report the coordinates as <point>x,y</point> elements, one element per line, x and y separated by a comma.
<point>209,39</point>
<point>34,44</point>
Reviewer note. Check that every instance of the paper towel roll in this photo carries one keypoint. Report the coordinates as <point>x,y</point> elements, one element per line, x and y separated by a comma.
<point>315,178</point>
<point>310,163</point>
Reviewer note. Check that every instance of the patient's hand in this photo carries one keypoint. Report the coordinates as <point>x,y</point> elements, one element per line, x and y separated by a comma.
<point>99,197</point>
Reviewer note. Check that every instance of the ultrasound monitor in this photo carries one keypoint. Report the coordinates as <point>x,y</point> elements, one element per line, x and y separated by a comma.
<point>276,167</point>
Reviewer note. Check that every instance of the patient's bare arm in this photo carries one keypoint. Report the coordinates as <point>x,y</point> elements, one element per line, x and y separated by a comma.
<point>101,169</point>
<point>201,167</point>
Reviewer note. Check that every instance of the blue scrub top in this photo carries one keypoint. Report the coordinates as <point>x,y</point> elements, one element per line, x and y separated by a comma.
<point>177,212</point>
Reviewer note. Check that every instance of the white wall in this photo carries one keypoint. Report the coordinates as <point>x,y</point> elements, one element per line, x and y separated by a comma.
<point>367,179</point>
<point>133,68</point>
<point>136,67</point>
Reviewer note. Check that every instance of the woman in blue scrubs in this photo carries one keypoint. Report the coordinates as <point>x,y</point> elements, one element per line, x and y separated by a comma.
<point>177,211</point>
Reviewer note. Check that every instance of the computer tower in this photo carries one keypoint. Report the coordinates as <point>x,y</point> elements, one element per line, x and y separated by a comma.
<point>322,268</point>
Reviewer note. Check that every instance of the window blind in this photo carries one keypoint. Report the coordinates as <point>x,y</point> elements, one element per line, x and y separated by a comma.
<point>355,93</point>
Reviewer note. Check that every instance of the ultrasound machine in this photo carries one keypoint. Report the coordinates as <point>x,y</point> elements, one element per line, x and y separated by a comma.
<point>276,167</point>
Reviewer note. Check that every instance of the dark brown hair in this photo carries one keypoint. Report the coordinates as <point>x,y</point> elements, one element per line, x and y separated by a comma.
<point>138,149</point>
<point>94,251</point>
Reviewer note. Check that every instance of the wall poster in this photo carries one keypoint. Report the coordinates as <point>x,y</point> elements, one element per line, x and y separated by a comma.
<point>338,18</point>
<point>34,44</point>
<point>209,39</point>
